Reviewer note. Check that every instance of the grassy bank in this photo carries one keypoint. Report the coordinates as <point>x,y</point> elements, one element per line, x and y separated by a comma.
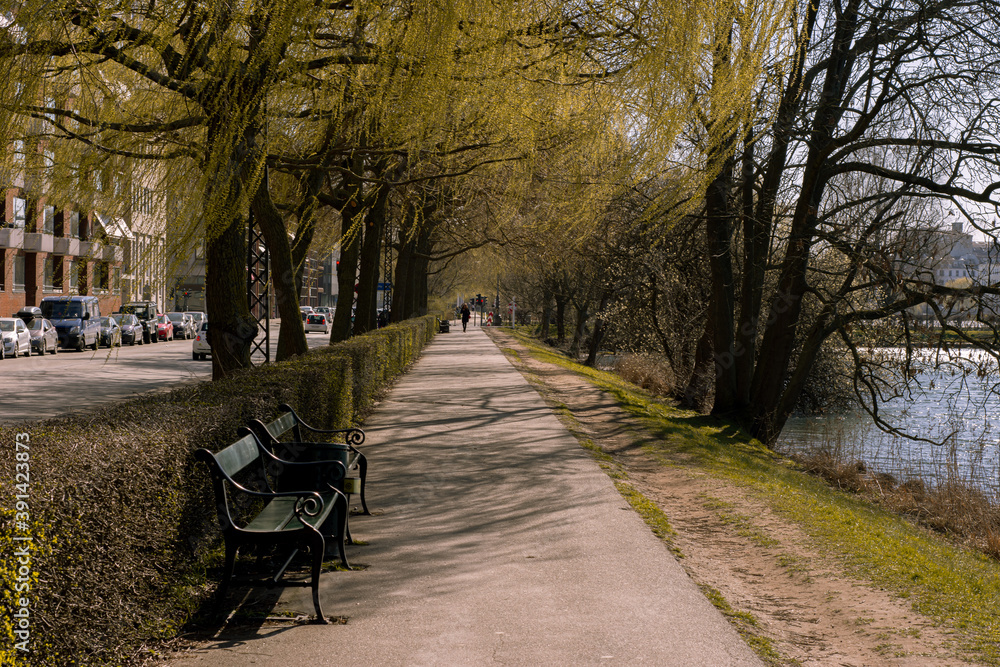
<point>120,519</point>
<point>954,586</point>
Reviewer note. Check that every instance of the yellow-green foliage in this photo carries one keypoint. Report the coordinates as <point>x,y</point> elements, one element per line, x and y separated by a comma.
<point>124,516</point>
<point>15,585</point>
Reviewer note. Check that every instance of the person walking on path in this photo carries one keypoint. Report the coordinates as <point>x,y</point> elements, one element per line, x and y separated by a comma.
<point>465,316</point>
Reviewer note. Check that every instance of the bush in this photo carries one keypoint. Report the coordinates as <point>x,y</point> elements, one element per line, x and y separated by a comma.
<point>121,516</point>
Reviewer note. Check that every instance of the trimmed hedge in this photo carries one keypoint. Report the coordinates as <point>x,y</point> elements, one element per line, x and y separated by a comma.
<point>122,517</point>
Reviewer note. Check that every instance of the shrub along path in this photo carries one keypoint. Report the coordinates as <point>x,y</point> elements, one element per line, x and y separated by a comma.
<point>496,539</point>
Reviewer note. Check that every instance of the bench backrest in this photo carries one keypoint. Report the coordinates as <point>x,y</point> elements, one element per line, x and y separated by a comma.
<point>283,424</point>
<point>238,455</point>
<point>229,463</point>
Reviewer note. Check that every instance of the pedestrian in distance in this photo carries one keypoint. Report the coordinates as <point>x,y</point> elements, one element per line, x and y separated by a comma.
<point>465,316</point>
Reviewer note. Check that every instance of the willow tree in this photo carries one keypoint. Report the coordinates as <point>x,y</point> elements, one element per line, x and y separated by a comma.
<point>183,86</point>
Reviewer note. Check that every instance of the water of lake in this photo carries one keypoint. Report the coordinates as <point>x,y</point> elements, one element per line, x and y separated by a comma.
<point>948,399</point>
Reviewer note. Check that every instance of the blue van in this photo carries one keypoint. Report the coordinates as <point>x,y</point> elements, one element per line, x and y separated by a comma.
<point>77,320</point>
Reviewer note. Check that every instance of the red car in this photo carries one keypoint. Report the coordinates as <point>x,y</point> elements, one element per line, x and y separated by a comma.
<point>164,327</point>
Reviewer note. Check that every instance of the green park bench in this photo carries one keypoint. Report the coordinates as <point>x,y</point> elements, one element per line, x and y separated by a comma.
<point>295,518</point>
<point>284,438</point>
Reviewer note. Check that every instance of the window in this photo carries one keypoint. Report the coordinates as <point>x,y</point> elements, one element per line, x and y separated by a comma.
<point>74,225</point>
<point>142,200</point>
<point>49,220</point>
<point>74,274</point>
<point>49,274</point>
<point>101,272</point>
<point>19,272</point>
<point>20,216</point>
<point>19,154</point>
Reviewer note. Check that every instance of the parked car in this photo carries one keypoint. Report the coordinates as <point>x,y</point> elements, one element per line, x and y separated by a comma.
<point>164,328</point>
<point>16,339</point>
<point>198,317</point>
<point>44,337</point>
<point>200,347</point>
<point>146,311</point>
<point>183,325</point>
<point>77,320</point>
<point>132,329</point>
<point>28,313</point>
<point>111,333</point>
<point>317,322</point>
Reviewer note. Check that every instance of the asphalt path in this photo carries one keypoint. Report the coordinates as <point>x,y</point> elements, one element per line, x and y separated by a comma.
<point>38,387</point>
<point>495,540</point>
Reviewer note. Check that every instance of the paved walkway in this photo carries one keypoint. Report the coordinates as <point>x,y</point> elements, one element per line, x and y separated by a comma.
<point>497,540</point>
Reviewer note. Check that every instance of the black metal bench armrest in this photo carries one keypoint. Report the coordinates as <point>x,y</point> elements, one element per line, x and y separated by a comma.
<point>352,436</point>
<point>314,495</point>
<point>276,464</point>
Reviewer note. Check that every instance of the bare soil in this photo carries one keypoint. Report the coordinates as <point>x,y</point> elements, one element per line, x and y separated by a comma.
<point>812,612</point>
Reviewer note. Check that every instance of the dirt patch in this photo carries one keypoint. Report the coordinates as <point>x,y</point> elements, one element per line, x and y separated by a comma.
<point>803,602</point>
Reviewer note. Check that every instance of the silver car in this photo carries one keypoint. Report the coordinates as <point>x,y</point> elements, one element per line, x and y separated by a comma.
<point>183,325</point>
<point>200,349</point>
<point>197,317</point>
<point>16,337</point>
<point>44,337</point>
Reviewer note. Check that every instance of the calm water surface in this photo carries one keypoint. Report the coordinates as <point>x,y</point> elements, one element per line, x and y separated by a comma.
<point>955,404</point>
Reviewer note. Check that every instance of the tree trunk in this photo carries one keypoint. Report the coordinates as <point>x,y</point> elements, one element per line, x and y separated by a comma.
<point>292,336</point>
<point>421,272</point>
<point>371,264</point>
<point>778,344</point>
<point>233,327</point>
<point>699,385</point>
<point>560,318</point>
<point>579,331</point>
<point>546,312</point>
<point>402,292</point>
<point>599,330</point>
<point>722,301</point>
<point>347,270</point>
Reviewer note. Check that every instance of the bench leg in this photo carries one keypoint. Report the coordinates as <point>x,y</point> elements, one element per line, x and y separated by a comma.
<point>227,574</point>
<point>363,471</point>
<point>317,546</point>
<point>342,508</point>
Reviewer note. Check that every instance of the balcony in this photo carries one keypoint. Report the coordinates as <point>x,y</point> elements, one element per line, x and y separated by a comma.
<point>37,242</point>
<point>113,253</point>
<point>11,237</point>
<point>67,246</point>
<point>87,249</point>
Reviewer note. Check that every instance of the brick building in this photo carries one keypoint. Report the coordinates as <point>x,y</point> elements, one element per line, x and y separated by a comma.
<point>46,250</point>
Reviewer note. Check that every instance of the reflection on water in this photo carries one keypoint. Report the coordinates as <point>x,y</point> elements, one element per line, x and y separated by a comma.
<point>954,405</point>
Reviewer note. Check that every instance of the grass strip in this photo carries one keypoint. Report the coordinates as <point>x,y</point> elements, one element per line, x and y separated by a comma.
<point>954,586</point>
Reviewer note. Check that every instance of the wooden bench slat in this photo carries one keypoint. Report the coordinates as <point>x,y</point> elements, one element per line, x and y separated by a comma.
<point>238,455</point>
<point>279,514</point>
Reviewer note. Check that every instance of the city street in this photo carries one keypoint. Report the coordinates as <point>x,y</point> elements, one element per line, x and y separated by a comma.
<point>37,387</point>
